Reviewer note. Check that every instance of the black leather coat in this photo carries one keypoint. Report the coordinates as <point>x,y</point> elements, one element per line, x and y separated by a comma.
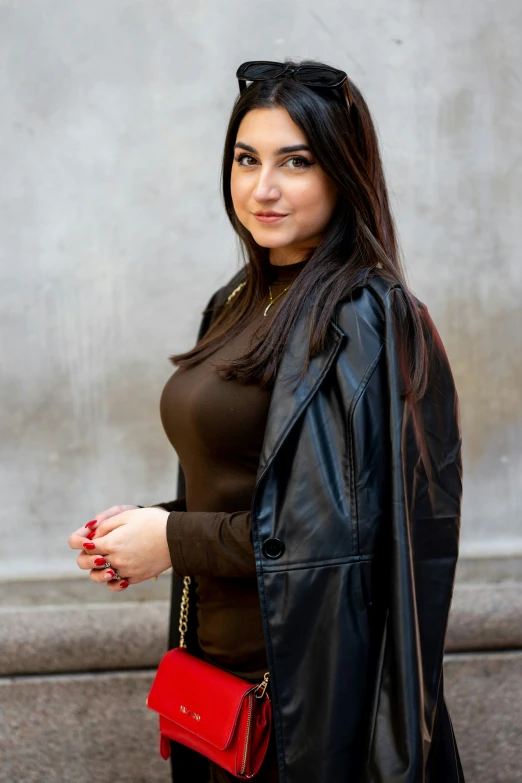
<point>356,543</point>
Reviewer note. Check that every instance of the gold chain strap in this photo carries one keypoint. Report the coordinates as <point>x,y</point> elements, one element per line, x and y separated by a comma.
<point>260,690</point>
<point>183,612</point>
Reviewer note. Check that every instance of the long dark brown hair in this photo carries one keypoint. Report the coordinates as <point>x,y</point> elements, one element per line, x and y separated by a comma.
<point>359,240</point>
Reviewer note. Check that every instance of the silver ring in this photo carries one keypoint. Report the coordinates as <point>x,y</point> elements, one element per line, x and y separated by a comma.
<point>108,565</point>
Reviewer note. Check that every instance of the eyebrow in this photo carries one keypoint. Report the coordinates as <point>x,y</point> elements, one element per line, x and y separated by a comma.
<point>280,151</point>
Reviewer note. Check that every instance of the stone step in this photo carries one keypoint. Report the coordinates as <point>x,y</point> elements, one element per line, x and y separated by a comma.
<point>124,634</point>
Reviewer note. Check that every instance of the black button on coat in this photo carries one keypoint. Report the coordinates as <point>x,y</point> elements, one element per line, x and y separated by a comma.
<point>273,548</point>
<point>356,569</point>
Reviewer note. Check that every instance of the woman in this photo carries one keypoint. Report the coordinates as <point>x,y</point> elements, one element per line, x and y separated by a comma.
<point>316,422</point>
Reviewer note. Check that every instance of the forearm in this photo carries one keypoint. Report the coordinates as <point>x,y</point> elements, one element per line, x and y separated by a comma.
<point>217,544</point>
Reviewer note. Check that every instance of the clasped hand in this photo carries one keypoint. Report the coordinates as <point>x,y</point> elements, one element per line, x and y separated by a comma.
<point>133,540</point>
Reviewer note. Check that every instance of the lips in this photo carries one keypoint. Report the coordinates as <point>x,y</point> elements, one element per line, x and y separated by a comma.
<point>269,217</point>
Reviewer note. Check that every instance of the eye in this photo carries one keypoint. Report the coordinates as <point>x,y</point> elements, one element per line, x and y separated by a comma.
<point>241,157</point>
<point>305,163</point>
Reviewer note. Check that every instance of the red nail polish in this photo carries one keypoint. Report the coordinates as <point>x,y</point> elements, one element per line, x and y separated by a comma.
<point>99,561</point>
<point>109,573</point>
<point>91,534</point>
<point>88,545</point>
<point>124,584</point>
<point>92,523</point>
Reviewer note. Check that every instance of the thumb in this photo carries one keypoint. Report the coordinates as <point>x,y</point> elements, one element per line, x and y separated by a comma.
<point>109,524</point>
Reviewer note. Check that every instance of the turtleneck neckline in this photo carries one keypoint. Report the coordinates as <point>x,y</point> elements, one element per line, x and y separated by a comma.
<point>286,272</point>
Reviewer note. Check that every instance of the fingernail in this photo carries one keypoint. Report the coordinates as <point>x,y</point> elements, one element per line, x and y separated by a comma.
<point>88,545</point>
<point>91,534</point>
<point>92,523</point>
<point>99,561</point>
<point>124,584</point>
<point>109,574</point>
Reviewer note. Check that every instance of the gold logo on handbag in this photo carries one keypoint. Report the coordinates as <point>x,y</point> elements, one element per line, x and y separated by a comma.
<point>189,712</point>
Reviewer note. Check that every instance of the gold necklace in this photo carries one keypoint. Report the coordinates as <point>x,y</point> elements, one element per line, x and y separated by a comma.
<point>273,299</point>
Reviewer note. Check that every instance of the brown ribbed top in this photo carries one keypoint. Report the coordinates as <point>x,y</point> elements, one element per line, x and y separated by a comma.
<point>217,429</point>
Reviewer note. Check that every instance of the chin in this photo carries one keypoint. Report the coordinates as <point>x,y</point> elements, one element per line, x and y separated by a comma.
<point>269,238</point>
<point>267,242</point>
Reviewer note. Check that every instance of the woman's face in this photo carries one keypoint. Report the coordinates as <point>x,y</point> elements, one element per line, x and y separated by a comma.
<point>266,178</point>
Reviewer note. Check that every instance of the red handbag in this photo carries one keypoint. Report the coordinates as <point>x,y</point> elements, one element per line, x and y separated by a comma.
<point>211,711</point>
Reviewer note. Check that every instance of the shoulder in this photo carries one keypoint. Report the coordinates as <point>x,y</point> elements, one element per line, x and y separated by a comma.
<point>220,296</point>
<point>385,319</point>
<point>385,322</point>
<point>217,300</point>
<point>365,312</point>
<point>374,305</point>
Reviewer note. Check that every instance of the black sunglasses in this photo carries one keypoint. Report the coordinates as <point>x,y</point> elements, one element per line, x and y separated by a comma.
<point>311,75</point>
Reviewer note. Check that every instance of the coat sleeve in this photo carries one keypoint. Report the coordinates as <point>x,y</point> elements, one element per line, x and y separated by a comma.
<point>423,539</point>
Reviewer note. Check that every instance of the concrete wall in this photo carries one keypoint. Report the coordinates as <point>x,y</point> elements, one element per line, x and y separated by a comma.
<point>113,235</point>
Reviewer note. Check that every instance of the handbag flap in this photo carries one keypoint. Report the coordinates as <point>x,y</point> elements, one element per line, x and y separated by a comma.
<point>199,697</point>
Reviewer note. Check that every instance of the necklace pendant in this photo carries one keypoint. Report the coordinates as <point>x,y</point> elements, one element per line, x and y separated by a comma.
<point>274,298</point>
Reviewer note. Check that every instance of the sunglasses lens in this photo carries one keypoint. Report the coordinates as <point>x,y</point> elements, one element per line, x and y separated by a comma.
<point>320,77</point>
<point>262,71</point>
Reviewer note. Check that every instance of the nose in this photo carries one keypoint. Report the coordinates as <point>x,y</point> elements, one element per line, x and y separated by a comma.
<point>266,188</point>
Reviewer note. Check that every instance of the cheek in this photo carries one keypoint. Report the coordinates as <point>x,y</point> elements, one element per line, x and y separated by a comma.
<point>315,204</point>
<point>239,193</point>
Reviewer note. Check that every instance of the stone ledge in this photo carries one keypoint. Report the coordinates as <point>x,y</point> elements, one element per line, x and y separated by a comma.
<point>92,637</point>
<point>133,634</point>
<point>485,617</point>
<point>489,569</point>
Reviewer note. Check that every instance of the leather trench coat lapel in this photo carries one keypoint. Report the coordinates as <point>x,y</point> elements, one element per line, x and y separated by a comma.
<point>286,405</point>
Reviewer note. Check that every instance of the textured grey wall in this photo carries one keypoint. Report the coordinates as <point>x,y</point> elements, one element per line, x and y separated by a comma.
<point>112,233</point>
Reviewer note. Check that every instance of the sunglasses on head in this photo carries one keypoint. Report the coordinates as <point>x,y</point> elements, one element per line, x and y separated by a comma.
<point>311,75</point>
